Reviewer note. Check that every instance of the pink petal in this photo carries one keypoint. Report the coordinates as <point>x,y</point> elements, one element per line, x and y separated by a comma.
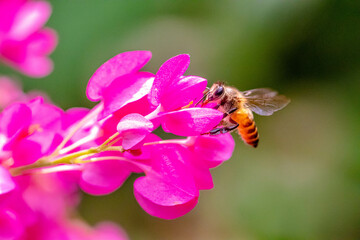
<point>103,177</point>
<point>46,115</point>
<point>213,150</point>
<point>109,231</point>
<point>13,52</point>
<point>133,128</point>
<point>200,172</point>
<point>42,42</point>
<point>168,190</point>
<point>14,118</point>
<point>167,75</point>
<point>10,225</point>
<point>35,66</point>
<point>30,18</point>
<point>6,182</point>
<point>29,64</point>
<point>8,11</point>
<point>73,115</point>
<point>28,55</point>
<point>19,206</point>
<point>143,153</point>
<point>202,177</point>
<point>120,65</point>
<point>187,89</point>
<point>125,90</point>
<point>191,121</point>
<point>26,152</point>
<point>141,106</point>
<point>163,200</point>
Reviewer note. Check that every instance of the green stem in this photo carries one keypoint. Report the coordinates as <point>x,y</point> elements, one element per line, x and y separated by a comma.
<point>108,141</point>
<point>20,170</point>
<point>67,159</point>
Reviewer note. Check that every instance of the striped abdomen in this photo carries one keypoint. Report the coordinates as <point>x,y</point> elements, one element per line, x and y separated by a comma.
<point>247,128</point>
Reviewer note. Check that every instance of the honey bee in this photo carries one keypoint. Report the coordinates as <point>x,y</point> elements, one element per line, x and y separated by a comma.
<point>238,108</point>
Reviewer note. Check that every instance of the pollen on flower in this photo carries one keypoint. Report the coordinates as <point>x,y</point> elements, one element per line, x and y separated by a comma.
<point>34,128</point>
<point>187,106</point>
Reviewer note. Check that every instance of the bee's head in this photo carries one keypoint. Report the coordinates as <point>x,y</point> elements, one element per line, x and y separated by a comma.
<point>216,92</point>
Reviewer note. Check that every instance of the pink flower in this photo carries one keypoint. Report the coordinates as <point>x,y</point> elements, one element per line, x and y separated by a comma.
<point>171,92</point>
<point>30,130</point>
<point>98,149</point>
<point>168,190</point>
<point>24,43</point>
<point>40,209</point>
<point>176,173</point>
<point>103,177</point>
<point>118,81</point>
<point>136,103</point>
<point>163,99</point>
<point>133,128</point>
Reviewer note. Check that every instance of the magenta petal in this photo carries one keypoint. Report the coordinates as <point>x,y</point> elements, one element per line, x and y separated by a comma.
<point>191,121</point>
<point>73,115</point>
<point>143,154</point>
<point>35,146</point>
<point>180,94</point>
<point>213,150</point>
<point>120,65</point>
<point>133,128</point>
<point>103,177</point>
<point>161,199</point>
<point>31,17</point>
<point>10,225</point>
<point>8,10</point>
<point>202,177</point>
<point>6,182</point>
<point>125,90</point>
<point>42,42</point>
<point>26,152</point>
<point>168,74</point>
<point>168,191</point>
<point>47,115</point>
<point>14,118</point>
<point>34,66</point>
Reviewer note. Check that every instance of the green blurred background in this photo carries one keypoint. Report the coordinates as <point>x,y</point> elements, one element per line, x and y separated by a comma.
<point>303,181</point>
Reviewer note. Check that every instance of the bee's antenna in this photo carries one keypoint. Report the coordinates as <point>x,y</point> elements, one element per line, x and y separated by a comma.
<point>206,93</point>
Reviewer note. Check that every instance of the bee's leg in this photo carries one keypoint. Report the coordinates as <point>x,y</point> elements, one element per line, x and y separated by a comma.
<point>217,106</point>
<point>222,130</point>
<point>228,125</point>
<point>230,112</point>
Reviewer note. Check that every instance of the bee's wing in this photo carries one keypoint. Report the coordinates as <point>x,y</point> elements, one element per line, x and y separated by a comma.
<point>264,101</point>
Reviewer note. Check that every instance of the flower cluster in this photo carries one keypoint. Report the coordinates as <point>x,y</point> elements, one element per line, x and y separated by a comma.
<point>38,206</point>
<point>46,152</point>
<point>134,104</point>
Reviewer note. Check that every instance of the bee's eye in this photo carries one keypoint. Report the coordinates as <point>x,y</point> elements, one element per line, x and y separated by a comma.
<point>219,91</point>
